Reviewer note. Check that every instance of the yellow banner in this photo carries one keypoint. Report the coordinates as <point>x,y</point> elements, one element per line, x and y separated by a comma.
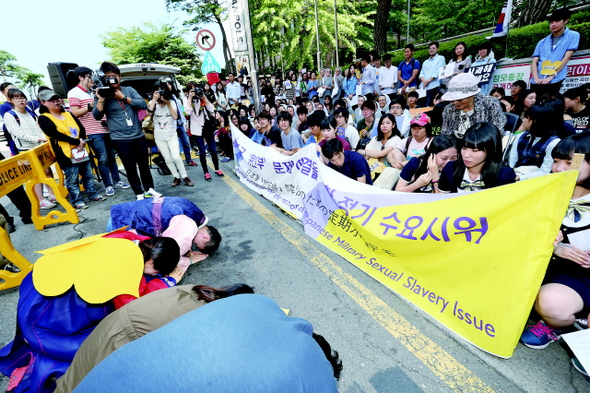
<point>473,261</point>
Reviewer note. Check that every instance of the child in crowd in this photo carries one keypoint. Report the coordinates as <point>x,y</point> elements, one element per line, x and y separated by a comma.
<point>291,138</point>
<point>479,166</point>
<point>420,173</point>
<point>388,137</point>
<point>565,292</point>
<point>328,129</point>
<point>414,145</point>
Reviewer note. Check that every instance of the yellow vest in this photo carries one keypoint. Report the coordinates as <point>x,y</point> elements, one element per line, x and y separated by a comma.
<point>67,127</point>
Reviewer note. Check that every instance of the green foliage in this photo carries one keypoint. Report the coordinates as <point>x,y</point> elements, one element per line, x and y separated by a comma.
<point>28,80</point>
<point>436,19</point>
<point>286,29</point>
<point>8,67</point>
<point>521,41</point>
<point>153,44</point>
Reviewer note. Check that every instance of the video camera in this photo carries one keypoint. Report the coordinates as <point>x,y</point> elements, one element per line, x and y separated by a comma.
<point>102,84</point>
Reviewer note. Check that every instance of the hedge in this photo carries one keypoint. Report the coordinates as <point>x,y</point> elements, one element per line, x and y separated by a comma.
<point>521,41</point>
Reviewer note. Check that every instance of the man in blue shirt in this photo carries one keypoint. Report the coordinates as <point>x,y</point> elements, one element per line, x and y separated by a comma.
<point>429,74</point>
<point>407,72</point>
<point>559,46</point>
<point>349,163</point>
<point>291,138</point>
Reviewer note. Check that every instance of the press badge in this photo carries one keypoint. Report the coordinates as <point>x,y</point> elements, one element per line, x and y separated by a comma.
<point>129,122</point>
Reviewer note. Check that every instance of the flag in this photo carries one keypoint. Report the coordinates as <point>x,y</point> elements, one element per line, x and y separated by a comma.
<point>504,21</point>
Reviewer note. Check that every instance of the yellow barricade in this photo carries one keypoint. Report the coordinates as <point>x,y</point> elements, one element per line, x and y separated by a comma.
<point>29,167</point>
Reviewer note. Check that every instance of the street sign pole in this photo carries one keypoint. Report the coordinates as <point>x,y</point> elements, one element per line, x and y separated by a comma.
<point>241,32</point>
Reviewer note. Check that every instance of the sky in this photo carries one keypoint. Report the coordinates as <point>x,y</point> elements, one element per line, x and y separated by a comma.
<point>71,29</point>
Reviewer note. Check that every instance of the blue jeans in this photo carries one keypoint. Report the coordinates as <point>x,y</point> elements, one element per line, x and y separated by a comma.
<point>73,185</point>
<point>107,163</point>
<point>186,144</point>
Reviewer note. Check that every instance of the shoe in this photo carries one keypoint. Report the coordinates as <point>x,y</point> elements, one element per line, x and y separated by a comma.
<point>207,177</point>
<point>45,204</point>
<point>110,191</point>
<point>575,362</point>
<point>81,206</point>
<point>176,182</point>
<point>219,173</point>
<point>226,159</point>
<point>139,197</point>
<point>11,227</point>
<point>26,220</point>
<point>52,199</point>
<point>121,184</point>
<point>206,152</point>
<point>151,193</point>
<point>581,324</point>
<point>188,182</point>
<point>97,198</point>
<point>14,269</point>
<point>539,336</point>
<point>191,163</point>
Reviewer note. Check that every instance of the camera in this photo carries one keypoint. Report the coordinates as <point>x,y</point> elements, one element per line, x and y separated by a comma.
<point>101,84</point>
<point>198,92</point>
<point>164,90</point>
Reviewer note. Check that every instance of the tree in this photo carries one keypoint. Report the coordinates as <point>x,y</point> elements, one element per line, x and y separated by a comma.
<point>286,29</point>
<point>28,80</point>
<point>7,66</point>
<point>153,44</point>
<point>533,11</point>
<point>380,32</point>
<point>202,12</point>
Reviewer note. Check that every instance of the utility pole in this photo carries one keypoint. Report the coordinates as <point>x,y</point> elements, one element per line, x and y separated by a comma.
<point>317,31</point>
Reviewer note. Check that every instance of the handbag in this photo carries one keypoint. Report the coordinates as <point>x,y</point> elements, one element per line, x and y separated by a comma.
<point>79,156</point>
<point>321,91</point>
<point>148,127</point>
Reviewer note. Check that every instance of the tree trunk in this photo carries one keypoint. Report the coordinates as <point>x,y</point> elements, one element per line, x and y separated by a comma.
<point>228,63</point>
<point>534,11</point>
<point>380,30</point>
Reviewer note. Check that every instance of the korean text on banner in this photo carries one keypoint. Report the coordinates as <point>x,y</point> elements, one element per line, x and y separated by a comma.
<point>473,261</point>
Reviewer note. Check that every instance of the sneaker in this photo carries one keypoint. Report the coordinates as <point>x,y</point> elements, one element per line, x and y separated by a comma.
<point>52,199</point>
<point>219,173</point>
<point>45,204</point>
<point>97,198</point>
<point>151,193</point>
<point>226,159</point>
<point>575,362</point>
<point>191,163</point>
<point>188,182</point>
<point>207,177</point>
<point>139,197</point>
<point>539,336</point>
<point>581,324</point>
<point>110,191</point>
<point>81,206</point>
<point>121,184</point>
<point>176,182</point>
<point>14,269</point>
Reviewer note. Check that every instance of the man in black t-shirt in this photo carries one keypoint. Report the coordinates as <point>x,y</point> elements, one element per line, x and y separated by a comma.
<point>271,134</point>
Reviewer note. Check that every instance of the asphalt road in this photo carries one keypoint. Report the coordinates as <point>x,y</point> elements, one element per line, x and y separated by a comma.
<point>385,343</point>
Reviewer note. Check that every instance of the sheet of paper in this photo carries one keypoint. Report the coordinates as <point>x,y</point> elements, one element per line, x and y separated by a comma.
<point>579,342</point>
<point>421,93</point>
<point>580,239</point>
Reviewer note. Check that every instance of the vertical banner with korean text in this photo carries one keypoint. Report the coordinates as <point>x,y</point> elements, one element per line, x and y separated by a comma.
<point>473,261</point>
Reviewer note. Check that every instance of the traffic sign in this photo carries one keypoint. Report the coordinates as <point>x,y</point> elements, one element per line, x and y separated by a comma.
<point>205,40</point>
<point>210,64</point>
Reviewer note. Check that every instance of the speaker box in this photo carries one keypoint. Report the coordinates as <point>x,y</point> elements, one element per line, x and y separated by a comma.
<point>58,74</point>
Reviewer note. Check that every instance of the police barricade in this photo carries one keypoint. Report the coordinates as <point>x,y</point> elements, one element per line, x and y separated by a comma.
<point>473,261</point>
<point>29,167</point>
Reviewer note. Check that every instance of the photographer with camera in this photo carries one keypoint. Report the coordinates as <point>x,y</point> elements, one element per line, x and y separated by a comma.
<point>120,104</point>
<point>81,103</point>
<point>180,123</point>
<point>203,125</point>
<point>166,114</point>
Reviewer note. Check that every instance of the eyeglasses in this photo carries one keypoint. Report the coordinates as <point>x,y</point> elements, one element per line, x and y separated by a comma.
<point>19,99</point>
<point>396,108</point>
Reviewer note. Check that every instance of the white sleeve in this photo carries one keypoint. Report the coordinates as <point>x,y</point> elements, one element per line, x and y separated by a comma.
<point>353,136</point>
<point>513,154</point>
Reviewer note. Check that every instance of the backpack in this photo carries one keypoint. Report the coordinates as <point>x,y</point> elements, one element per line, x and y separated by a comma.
<point>9,141</point>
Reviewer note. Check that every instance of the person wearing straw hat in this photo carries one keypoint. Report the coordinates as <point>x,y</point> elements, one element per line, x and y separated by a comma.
<point>469,107</point>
